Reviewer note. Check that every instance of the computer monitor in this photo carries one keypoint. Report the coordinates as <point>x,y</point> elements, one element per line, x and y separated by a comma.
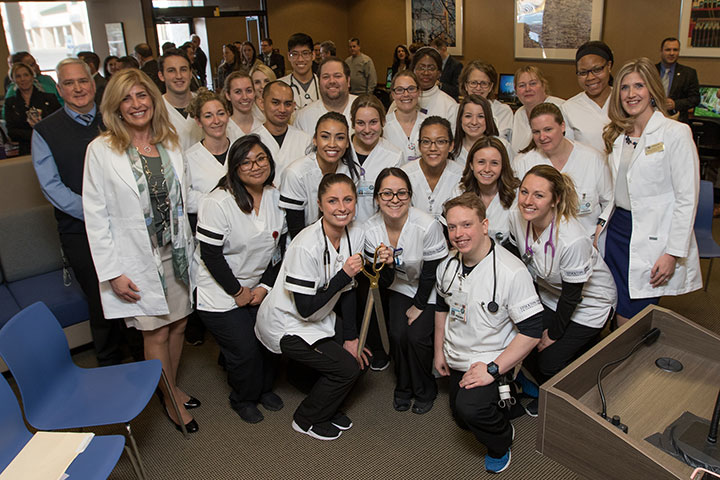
<point>388,77</point>
<point>709,106</point>
<point>506,88</point>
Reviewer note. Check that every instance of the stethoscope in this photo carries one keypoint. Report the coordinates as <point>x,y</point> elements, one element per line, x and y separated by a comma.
<point>492,307</point>
<point>527,257</point>
<point>305,95</point>
<point>326,255</point>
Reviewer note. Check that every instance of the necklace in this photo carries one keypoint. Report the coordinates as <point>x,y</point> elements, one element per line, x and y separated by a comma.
<point>146,148</point>
<point>630,142</point>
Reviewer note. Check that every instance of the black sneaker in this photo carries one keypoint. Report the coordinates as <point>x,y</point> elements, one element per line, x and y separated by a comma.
<point>422,407</point>
<point>379,363</point>
<point>320,431</point>
<point>250,414</point>
<point>341,421</point>
<point>532,408</point>
<point>271,401</point>
<point>401,405</point>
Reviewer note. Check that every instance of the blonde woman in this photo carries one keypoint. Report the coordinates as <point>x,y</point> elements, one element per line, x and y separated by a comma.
<point>134,192</point>
<point>261,75</point>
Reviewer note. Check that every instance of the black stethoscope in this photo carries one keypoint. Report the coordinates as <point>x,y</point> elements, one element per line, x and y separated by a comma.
<point>492,307</point>
<point>305,95</point>
<point>326,255</point>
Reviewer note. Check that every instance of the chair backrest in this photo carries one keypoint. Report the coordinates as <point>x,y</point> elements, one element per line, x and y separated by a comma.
<point>704,216</point>
<point>36,351</point>
<point>14,433</point>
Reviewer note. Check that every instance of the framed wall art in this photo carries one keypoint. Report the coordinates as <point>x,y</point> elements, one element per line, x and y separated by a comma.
<point>700,28</point>
<point>554,29</point>
<point>428,19</point>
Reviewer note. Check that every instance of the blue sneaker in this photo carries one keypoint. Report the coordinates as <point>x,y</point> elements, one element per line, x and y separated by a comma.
<point>528,388</point>
<point>497,465</point>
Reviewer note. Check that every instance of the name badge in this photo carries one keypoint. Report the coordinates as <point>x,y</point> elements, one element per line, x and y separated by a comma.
<point>658,147</point>
<point>458,307</point>
<point>365,188</point>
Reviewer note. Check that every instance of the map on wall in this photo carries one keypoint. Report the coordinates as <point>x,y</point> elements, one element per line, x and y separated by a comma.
<point>429,19</point>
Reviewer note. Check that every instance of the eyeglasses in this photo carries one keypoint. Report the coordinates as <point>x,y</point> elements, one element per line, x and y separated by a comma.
<point>481,84</point>
<point>388,195</point>
<point>247,165</point>
<point>595,71</point>
<point>303,54</point>
<point>440,142</point>
<point>426,68</point>
<point>401,90</point>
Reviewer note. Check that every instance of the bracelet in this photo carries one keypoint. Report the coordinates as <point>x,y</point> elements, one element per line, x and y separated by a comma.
<point>601,222</point>
<point>239,292</point>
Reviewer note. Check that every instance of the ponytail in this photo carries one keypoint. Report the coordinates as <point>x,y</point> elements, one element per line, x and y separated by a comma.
<point>563,190</point>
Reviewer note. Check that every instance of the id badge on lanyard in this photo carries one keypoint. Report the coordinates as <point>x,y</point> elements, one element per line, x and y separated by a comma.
<point>365,188</point>
<point>458,306</point>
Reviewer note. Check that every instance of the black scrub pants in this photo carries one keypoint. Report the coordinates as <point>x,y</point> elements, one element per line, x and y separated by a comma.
<point>477,410</point>
<point>107,334</point>
<point>337,368</point>
<point>250,366</point>
<point>412,350</point>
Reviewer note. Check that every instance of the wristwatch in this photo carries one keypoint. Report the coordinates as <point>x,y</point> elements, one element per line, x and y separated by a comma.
<point>493,370</point>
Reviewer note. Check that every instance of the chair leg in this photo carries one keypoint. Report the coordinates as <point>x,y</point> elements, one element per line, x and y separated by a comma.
<point>707,277</point>
<point>133,462</point>
<point>175,406</point>
<point>136,452</point>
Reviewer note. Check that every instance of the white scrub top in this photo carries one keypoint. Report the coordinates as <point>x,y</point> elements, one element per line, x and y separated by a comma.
<point>575,261</point>
<point>203,172</point>
<point>431,201</point>
<point>586,119</point>
<point>394,132</point>
<point>234,131</point>
<point>484,335</point>
<point>294,146</point>
<point>302,97</point>
<point>307,118</point>
<point>461,159</point>
<point>521,134</point>
<point>299,186</point>
<point>421,240</point>
<point>188,130</point>
<point>248,241</point>
<point>503,116</point>
<point>384,155</point>
<point>303,271</point>
<point>436,102</point>
<point>589,172</point>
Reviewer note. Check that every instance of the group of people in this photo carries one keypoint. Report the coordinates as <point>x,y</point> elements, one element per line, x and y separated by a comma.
<point>499,239</point>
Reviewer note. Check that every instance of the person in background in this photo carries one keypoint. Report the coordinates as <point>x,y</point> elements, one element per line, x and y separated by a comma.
<point>230,63</point>
<point>317,57</point>
<point>189,51</point>
<point>248,57</point>
<point>26,107</point>
<point>141,243</point>
<point>655,169</point>
<point>274,60</point>
<point>327,49</point>
<point>401,59</point>
<point>532,89</point>
<point>175,72</point>
<point>587,112</point>
<point>143,54</point>
<point>93,61</point>
<point>363,77</point>
<point>167,46</point>
<point>478,78</point>
<point>44,83</point>
<point>474,120</point>
<point>427,65</point>
<point>302,80</point>
<point>127,62</point>
<point>680,82</point>
<point>451,68</point>
<point>402,126</point>
<point>200,63</point>
<point>110,66</point>
<point>240,94</point>
<point>261,75</point>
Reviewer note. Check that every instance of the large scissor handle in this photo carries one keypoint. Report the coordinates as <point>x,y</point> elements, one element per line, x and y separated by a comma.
<point>376,267</point>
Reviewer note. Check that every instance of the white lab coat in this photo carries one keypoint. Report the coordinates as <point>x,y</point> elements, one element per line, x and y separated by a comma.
<point>521,132</point>
<point>384,155</point>
<point>234,131</point>
<point>586,119</point>
<point>294,146</point>
<point>461,158</point>
<point>663,187</point>
<point>307,118</point>
<point>203,173</point>
<point>503,116</point>
<point>436,102</point>
<point>188,130</point>
<point>394,132</point>
<point>118,237</point>
<point>301,97</point>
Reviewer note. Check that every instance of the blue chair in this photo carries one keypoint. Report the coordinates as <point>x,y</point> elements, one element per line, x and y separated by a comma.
<point>707,247</point>
<point>57,394</point>
<point>96,462</point>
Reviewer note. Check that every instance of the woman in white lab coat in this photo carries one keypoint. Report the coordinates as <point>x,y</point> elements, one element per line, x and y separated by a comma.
<point>478,78</point>
<point>261,75</point>
<point>474,120</point>
<point>402,125</point>
<point>241,234</point>
<point>240,94</point>
<point>371,152</point>
<point>134,188</point>
<point>651,247</point>
<point>427,65</point>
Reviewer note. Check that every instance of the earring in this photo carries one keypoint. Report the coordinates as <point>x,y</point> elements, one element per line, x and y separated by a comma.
<point>652,102</point>
<point>120,116</point>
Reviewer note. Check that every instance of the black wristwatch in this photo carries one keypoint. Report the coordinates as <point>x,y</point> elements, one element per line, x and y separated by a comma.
<point>493,370</point>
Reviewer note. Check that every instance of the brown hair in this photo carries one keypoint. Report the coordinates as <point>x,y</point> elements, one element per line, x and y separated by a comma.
<point>561,187</point>
<point>490,127</point>
<point>486,68</point>
<point>367,101</point>
<point>202,97</point>
<point>546,108</point>
<point>533,70</point>
<point>507,183</point>
<point>467,200</point>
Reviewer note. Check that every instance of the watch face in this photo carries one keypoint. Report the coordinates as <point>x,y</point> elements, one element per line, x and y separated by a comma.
<point>492,369</point>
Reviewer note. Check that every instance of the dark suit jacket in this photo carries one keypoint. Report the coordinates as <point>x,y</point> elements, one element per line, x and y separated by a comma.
<point>200,65</point>
<point>16,115</point>
<point>100,84</point>
<point>151,69</point>
<point>276,63</point>
<point>450,76</point>
<point>684,90</point>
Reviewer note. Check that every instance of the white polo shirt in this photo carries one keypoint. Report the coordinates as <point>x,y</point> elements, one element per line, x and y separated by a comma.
<point>234,131</point>
<point>204,172</point>
<point>294,146</point>
<point>461,159</point>
<point>503,116</point>
<point>431,201</point>
<point>575,261</point>
<point>249,242</point>
<point>589,171</point>
<point>394,132</point>
<point>299,186</point>
<point>586,119</point>
<point>485,335</point>
<point>421,240</point>
<point>307,118</point>
<point>384,155</point>
<point>521,133</point>
<point>303,271</point>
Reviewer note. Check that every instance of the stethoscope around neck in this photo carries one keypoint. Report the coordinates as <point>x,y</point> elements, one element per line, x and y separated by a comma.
<point>305,94</point>
<point>527,257</point>
<point>492,307</point>
<point>326,255</point>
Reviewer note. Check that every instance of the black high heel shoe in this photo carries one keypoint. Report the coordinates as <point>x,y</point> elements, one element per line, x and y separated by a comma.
<point>191,427</point>
<point>189,405</point>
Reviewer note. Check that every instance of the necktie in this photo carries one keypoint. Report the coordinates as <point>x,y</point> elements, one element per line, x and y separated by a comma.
<point>666,81</point>
<point>86,117</point>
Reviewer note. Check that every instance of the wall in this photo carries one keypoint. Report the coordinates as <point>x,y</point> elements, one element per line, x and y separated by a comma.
<point>128,12</point>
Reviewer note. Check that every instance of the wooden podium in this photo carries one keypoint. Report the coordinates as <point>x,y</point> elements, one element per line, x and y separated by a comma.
<point>570,429</point>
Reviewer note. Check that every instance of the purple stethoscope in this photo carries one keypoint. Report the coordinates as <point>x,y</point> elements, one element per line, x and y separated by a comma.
<point>528,255</point>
